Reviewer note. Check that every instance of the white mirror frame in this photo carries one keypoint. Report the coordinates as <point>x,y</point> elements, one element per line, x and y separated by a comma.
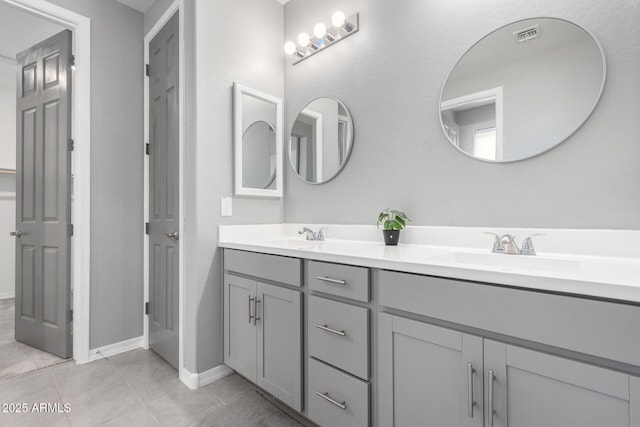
<point>240,190</point>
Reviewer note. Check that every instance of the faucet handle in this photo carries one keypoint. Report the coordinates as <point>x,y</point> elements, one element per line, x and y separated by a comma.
<point>497,245</point>
<point>320,234</point>
<point>527,244</point>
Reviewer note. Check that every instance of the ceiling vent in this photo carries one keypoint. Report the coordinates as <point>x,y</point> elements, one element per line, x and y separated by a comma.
<point>527,34</point>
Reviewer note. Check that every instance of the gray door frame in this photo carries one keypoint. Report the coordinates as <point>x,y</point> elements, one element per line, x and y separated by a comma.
<point>188,378</point>
<point>81,157</point>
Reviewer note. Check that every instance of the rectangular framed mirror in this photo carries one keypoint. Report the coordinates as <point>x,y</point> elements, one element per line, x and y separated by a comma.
<point>257,136</point>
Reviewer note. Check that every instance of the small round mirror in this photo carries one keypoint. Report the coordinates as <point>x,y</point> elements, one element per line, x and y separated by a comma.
<point>321,140</point>
<point>522,90</point>
<point>258,155</point>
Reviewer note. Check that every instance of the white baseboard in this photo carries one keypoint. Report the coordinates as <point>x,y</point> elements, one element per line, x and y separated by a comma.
<point>195,381</point>
<point>113,349</point>
<point>8,295</point>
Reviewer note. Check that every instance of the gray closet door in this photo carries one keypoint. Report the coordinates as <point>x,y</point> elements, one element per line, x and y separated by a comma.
<point>424,375</point>
<point>537,389</point>
<point>163,193</point>
<point>43,196</point>
<point>279,319</point>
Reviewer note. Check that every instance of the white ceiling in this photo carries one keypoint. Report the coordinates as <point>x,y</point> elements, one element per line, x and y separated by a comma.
<point>20,30</point>
<point>141,5</point>
<point>144,5</point>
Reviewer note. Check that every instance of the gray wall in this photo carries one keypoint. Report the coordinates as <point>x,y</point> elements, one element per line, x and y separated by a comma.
<point>116,169</point>
<point>231,45</point>
<point>155,12</point>
<point>390,76</point>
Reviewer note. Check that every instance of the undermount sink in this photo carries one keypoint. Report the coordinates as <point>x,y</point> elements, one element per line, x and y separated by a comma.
<point>305,244</point>
<point>510,262</point>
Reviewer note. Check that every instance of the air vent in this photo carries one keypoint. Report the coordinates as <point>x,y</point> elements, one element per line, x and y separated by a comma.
<point>527,34</point>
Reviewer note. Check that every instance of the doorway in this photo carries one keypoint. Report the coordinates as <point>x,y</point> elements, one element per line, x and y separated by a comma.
<point>37,174</point>
<point>164,196</point>
<point>29,22</point>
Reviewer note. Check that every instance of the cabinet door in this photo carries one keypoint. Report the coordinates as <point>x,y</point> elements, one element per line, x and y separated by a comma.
<point>279,323</point>
<point>425,377</point>
<point>239,327</point>
<point>536,389</point>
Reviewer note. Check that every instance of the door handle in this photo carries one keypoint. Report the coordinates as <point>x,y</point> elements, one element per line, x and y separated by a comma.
<point>174,235</point>
<point>251,316</point>
<point>255,310</point>
<point>492,378</point>
<point>471,403</point>
<point>16,233</point>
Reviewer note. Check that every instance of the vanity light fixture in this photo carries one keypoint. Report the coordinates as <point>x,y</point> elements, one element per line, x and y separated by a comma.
<point>341,28</point>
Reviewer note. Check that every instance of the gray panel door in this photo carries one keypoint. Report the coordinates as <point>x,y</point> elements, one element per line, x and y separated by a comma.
<point>536,389</point>
<point>163,193</point>
<point>43,196</point>
<point>279,320</point>
<point>240,325</point>
<point>424,375</point>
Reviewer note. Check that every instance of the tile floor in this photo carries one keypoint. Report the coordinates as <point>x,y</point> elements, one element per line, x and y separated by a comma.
<point>136,388</point>
<point>17,358</point>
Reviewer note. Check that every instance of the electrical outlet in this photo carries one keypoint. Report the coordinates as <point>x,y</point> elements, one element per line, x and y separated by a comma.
<point>226,206</point>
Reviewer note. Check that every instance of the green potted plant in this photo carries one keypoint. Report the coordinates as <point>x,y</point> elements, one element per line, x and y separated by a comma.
<point>392,222</point>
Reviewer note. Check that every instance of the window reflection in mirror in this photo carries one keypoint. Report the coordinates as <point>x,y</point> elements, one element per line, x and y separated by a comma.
<point>535,81</point>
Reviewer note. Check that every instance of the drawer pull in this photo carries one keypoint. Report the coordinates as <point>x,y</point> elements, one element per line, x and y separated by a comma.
<point>330,280</point>
<point>328,398</point>
<point>333,331</point>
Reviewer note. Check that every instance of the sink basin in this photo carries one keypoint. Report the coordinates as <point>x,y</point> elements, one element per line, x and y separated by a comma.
<point>308,245</point>
<point>510,262</point>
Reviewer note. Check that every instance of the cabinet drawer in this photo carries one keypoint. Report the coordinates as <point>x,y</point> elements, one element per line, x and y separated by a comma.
<point>328,321</point>
<point>598,328</point>
<point>336,398</point>
<point>337,279</point>
<point>271,267</point>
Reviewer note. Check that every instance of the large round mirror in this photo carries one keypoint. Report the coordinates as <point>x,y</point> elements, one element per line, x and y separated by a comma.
<point>258,155</point>
<point>522,90</point>
<point>321,140</point>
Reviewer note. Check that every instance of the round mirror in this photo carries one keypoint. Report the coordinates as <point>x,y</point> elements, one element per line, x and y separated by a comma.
<point>321,140</point>
<point>258,155</point>
<point>522,90</point>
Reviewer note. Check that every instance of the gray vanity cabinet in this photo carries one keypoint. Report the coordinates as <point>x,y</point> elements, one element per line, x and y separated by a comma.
<point>531,388</point>
<point>428,375</point>
<point>263,324</point>
<point>263,336</point>
<point>434,376</point>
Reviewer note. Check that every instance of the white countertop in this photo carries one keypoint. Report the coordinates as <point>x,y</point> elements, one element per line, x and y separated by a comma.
<point>598,263</point>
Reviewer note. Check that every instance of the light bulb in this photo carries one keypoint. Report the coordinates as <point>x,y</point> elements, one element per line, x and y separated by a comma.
<point>319,30</point>
<point>338,19</point>
<point>289,48</point>
<point>303,39</point>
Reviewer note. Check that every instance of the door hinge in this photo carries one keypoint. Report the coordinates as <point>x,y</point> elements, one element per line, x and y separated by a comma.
<point>70,229</point>
<point>146,308</point>
<point>146,228</point>
<point>72,62</point>
<point>70,144</point>
<point>147,148</point>
<point>70,316</point>
<point>147,70</point>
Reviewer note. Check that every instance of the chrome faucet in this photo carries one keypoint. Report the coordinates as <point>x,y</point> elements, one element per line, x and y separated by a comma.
<point>506,244</point>
<point>527,245</point>
<point>311,235</point>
